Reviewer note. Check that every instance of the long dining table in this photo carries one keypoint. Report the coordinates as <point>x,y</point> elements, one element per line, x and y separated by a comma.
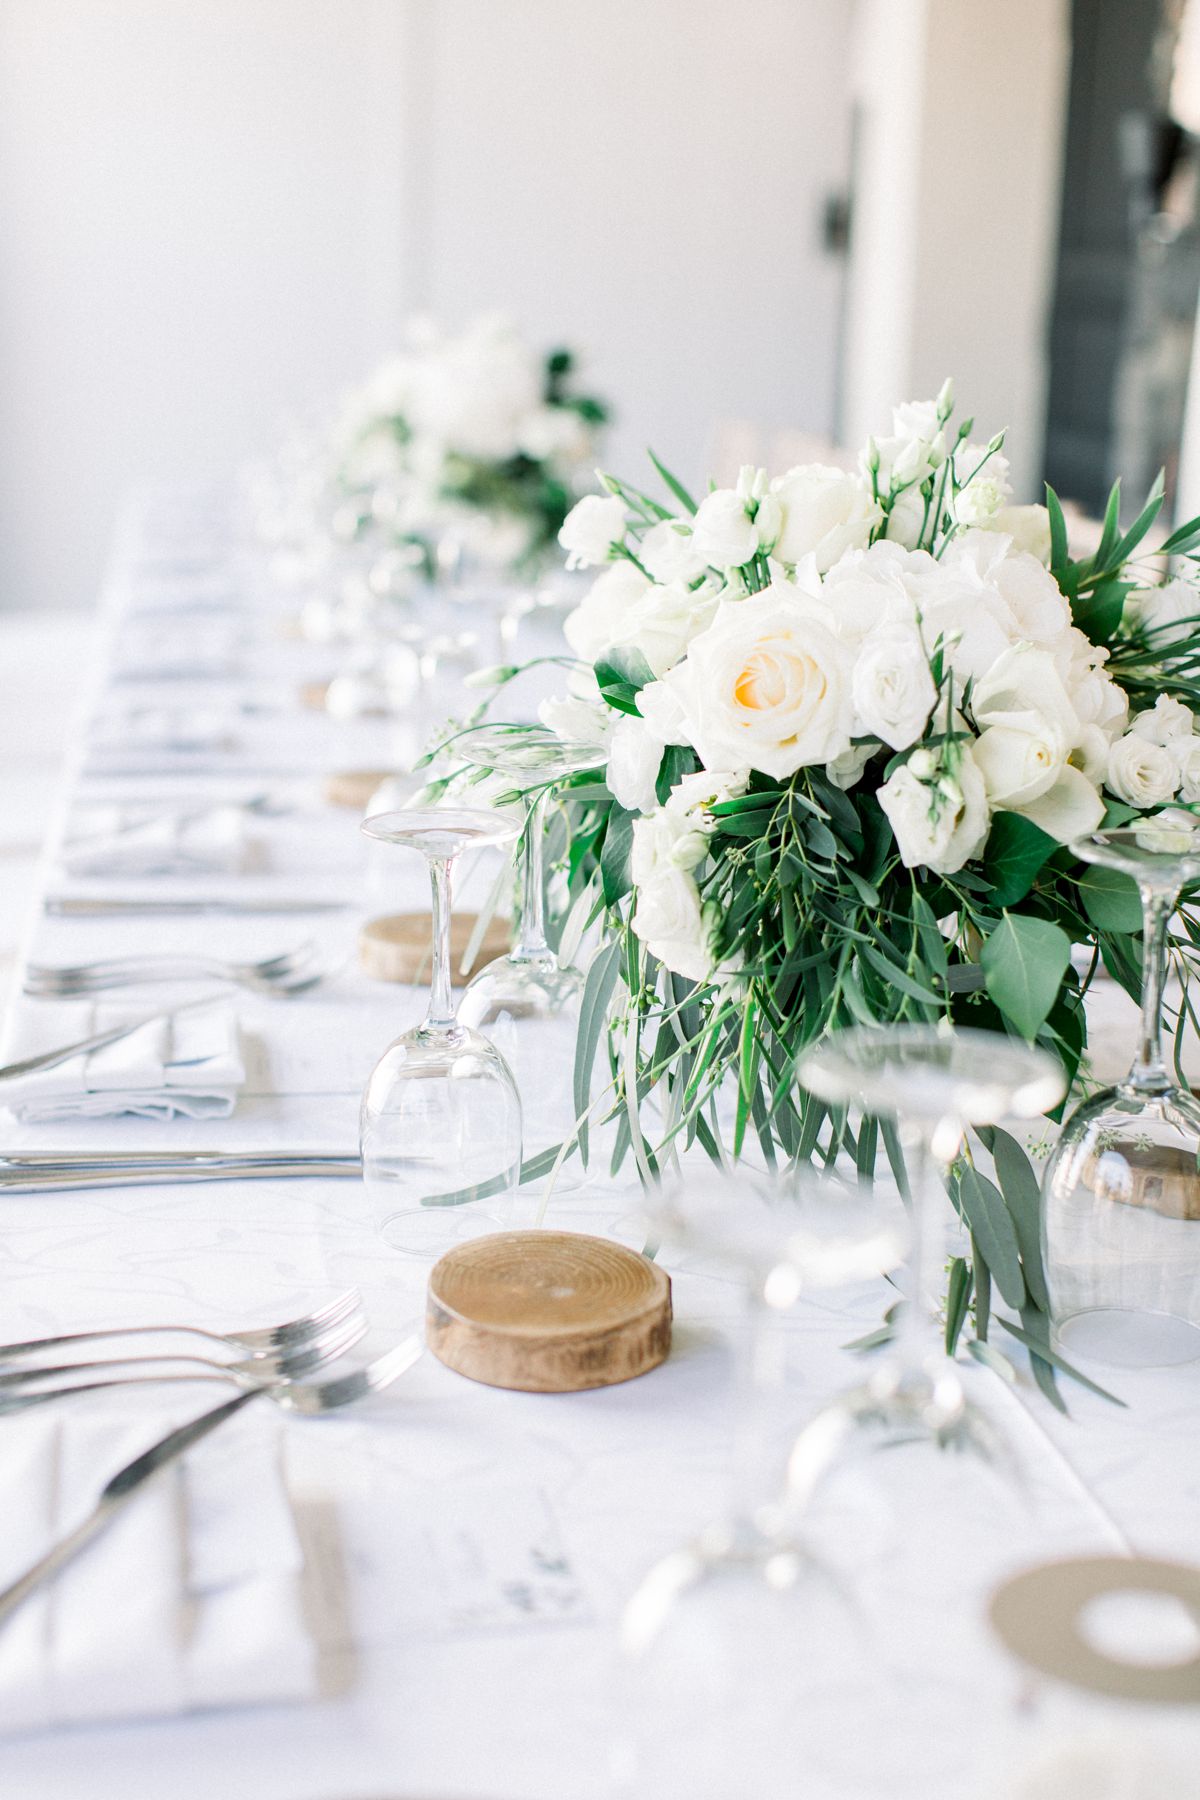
<point>448,1671</point>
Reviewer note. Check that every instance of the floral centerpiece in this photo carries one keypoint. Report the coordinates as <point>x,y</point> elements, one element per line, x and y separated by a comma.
<point>853,719</point>
<point>475,435</point>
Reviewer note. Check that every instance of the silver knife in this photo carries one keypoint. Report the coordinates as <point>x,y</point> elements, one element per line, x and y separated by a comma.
<point>123,1486</point>
<point>64,906</point>
<point>40,1171</point>
<point>50,1059</point>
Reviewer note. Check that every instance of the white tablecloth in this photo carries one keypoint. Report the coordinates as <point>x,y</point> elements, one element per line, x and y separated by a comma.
<point>445,1698</point>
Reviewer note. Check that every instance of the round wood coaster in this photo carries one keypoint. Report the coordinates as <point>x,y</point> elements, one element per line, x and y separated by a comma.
<point>398,948</point>
<point>353,787</point>
<point>547,1312</point>
<point>312,695</point>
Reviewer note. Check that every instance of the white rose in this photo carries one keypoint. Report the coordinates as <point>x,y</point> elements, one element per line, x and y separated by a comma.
<point>1027,526</point>
<point>1021,759</point>
<point>767,686</point>
<point>893,690</point>
<point>1168,719</point>
<point>662,622</point>
<point>591,528</point>
<point>667,553</point>
<point>1069,809</point>
<point>825,512</point>
<point>940,826</point>
<point>667,918</point>
<point>634,756</point>
<point>1025,680</point>
<point>1141,773</point>
<point>723,533</point>
<point>596,622</point>
<point>1171,613</point>
<point>1185,753</point>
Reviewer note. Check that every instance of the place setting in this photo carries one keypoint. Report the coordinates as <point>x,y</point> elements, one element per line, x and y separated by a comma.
<point>600,1060</point>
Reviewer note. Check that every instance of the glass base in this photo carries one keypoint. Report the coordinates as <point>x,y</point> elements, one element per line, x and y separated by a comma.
<point>1124,1339</point>
<point>427,1232</point>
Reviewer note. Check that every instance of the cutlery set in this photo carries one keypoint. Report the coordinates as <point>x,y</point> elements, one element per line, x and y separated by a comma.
<point>266,1363</point>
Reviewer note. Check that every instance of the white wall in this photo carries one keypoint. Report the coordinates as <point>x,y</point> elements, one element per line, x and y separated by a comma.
<point>963,116</point>
<point>200,202</point>
<point>215,210</point>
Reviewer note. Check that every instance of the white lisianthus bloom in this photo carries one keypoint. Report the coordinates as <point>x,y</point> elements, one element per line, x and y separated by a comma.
<point>1167,720</point>
<point>893,690</point>
<point>1141,773</point>
<point>661,705</point>
<point>1025,680</point>
<point>907,518</point>
<point>1185,753</point>
<point>634,755</point>
<point>694,794</point>
<point>767,686</point>
<point>916,419</point>
<point>939,825</point>
<point>825,512</point>
<point>667,918</point>
<point>1027,526</point>
<point>1070,807</point>
<point>988,488</point>
<point>662,622</point>
<point>1027,591</point>
<point>871,588</point>
<point>845,770</point>
<point>597,621</point>
<point>723,533</point>
<point>665,841</point>
<point>1171,613</point>
<point>591,528</point>
<point>668,554</point>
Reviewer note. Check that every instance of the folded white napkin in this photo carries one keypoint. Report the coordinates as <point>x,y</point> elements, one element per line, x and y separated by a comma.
<point>116,840</point>
<point>191,1597</point>
<point>187,1067</point>
<point>163,728</point>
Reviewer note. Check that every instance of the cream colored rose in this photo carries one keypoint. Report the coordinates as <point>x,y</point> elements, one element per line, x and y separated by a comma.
<point>824,512</point>
<point>1141,773</point>
<point>767,686</point>
<point>938,825</point>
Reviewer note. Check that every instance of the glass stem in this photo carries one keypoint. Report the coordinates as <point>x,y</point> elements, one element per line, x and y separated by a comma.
<point>916,1335</point>
<point>531,945</point>
<point>759,1379</point>
<point>440,1016</point>
<point>1149,1074</point>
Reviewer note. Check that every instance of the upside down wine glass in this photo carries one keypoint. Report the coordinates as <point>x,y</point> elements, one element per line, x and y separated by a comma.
<point>527,1002</point>
<point>734,1640</point>
<point>1121,1213</point>
<point>933,1084</point>
<point>440,1124</point>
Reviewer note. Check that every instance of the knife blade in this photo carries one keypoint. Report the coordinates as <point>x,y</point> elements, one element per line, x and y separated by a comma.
<point>40,1171</point>
<point>66,906</point>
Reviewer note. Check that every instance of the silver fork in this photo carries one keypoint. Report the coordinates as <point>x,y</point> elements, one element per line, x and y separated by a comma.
<point>289,973</point>
<point>261,1341</point>
<point>20,1388</point>
<point>311,1398</point>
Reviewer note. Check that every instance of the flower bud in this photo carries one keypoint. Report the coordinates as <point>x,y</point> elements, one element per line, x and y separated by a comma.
<point>945,399</point>
<point>923,763</point>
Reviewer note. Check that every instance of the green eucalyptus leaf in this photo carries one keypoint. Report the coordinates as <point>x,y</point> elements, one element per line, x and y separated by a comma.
<point>1024,961</point>
<point>1023,1196</point>
<point>1110,899</point>
<point>1015,852</point>
<point>993,1231</point>
<point>614,857</point>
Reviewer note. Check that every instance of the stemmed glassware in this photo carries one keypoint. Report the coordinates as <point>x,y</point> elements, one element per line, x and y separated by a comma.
<point>440,1124</point>
<point>933,1084</point>
<point>528,1001</point>
<point>731,1639</point>
<point>1121,1214</point>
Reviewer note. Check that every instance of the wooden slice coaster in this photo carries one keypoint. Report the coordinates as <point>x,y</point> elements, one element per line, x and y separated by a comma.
<point>353,787</point>
<point>547,1312</point>
<point>312,695</point>
<point>397,948</point>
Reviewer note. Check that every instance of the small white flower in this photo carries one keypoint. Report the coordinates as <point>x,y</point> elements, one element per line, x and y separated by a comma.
<point>597,621</point>
<point>590,530</point>
<point>634,756</point>
<point>723,532</point>
<point>668,554</point>
<point>936,829</point>
<point>663,620</point>
<point>988,487</point>
<point>893,689</point>
<point>667,918</point>
<point>1141,773</point>
<point>1168,719</point>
